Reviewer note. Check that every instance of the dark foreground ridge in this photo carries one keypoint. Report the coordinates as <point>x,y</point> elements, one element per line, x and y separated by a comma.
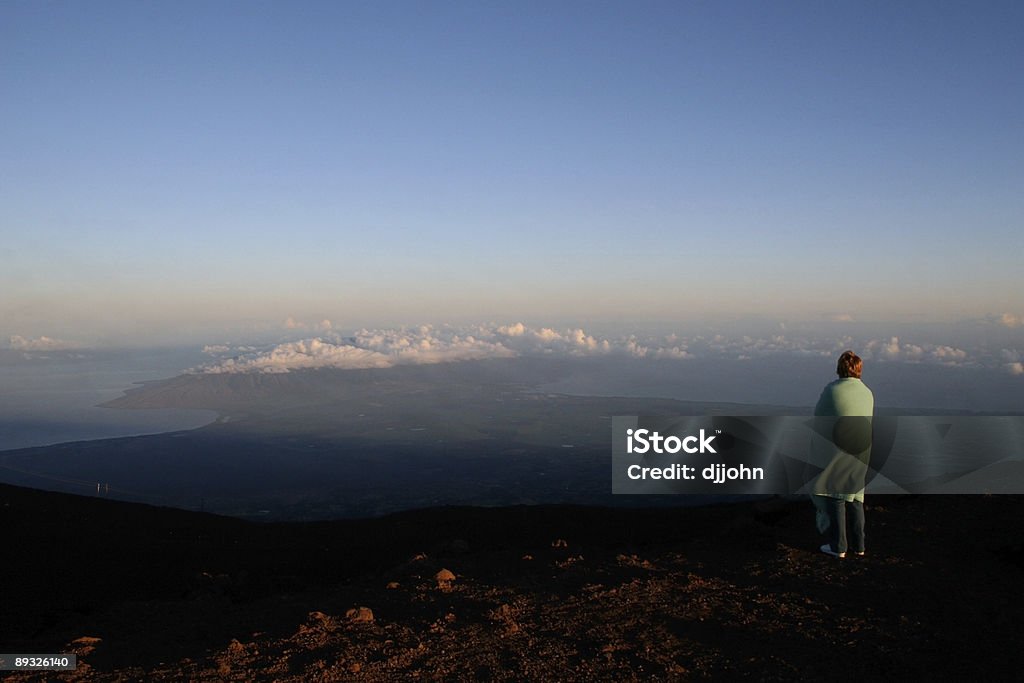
<point>542,593</point>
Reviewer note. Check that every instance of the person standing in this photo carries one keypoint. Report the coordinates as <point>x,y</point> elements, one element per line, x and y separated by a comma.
<point>843,418</point>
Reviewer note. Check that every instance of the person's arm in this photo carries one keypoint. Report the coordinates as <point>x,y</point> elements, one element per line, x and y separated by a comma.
<point>824,405</point>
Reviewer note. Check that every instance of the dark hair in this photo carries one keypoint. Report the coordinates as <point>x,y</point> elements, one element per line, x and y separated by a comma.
<point>849,365</point>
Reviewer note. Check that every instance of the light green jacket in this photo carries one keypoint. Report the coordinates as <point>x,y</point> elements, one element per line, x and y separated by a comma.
<point>845,468</point>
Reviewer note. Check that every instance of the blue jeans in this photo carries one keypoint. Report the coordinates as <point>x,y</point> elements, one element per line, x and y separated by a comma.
<point>837,524</point>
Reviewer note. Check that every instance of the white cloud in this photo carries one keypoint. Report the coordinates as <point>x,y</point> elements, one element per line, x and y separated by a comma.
<point>227,349</point>
<point>1011,320</point>
<point>19,343</point>
<point>214,349</point>
<point>373,348</point>
<point>891,349</point>
<point>913,352</point>
<point>324,325</point>
<point>310,353</point>
<point>1012,361</point>
<point>948,355</point>
<point>427,344</point>
<point>516,330</point>
<point>895,350</point>
<point>672,352</point>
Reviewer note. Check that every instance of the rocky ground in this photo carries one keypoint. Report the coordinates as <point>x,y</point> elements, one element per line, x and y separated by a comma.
<point>541,593</point>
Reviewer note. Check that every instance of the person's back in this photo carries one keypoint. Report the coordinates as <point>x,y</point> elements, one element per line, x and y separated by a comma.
<point>846,396</point>
<point>847,405</point>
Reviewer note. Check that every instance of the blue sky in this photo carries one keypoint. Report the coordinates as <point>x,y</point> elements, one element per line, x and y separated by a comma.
<point>181,170</point>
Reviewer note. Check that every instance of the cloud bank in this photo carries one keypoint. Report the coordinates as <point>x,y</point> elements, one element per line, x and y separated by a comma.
<point>19,343</point>
<point>892,349</point>
<point>429,344</point>
<point>382,348</point>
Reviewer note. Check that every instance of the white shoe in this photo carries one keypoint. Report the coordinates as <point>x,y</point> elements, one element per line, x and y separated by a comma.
<point>827,549</point>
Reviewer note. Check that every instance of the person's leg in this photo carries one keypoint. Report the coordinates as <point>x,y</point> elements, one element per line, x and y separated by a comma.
<point>821,519</point>
<point>837,524</point>
<point>857,522</point>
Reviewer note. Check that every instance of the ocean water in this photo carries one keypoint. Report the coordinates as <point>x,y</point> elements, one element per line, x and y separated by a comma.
<point>54,398</point>
<point>797,381</point>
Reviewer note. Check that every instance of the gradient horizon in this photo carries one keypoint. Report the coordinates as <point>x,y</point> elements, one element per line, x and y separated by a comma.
<point>191,171</point>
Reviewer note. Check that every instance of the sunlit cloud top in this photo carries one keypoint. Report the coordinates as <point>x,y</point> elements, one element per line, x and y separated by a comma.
<point>43,343</point>
<point>381,348</point>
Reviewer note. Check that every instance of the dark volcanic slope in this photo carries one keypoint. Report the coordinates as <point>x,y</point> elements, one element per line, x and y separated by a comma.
<point>552,592</point>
